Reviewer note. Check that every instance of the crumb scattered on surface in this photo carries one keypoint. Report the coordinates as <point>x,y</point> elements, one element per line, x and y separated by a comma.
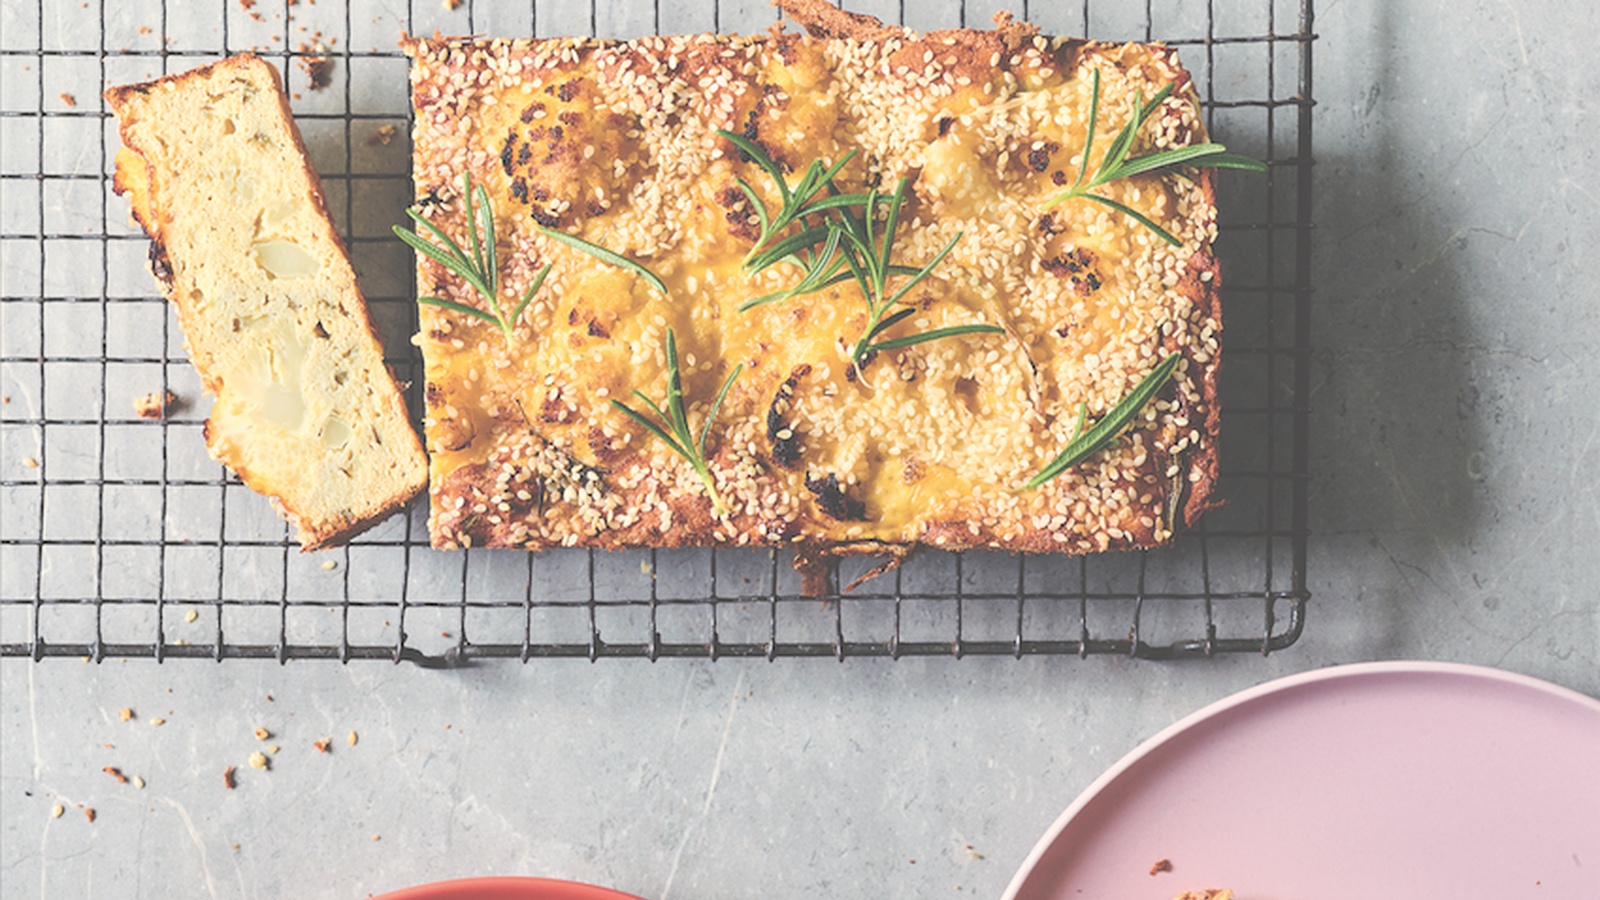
<point>158,721</point>
<point>68,99</point>
<point>258,760</point>
<point>453,4</point>
<point>383,135</point>
<point>30,462</point>
<point>125,714</point>
<point>191,615</point>
<point>1161,865</point>
<point>322,744</point>
<point>377,837</point>
<point>144,29</point>
<point>328,565</point>
<point>273,749</point>
<point>156,404</point>
<point>57,811</point>
<point>138,782</point>
<point>973,853</point>
<point>317,65</point>
<point>116,773</point>
<point>262,734</point>
<point>351,740</point>
<point>88,813</point>
<point>227,778</point>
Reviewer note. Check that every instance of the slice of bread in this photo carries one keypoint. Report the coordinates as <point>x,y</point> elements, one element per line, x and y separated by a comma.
<point>307,413</point>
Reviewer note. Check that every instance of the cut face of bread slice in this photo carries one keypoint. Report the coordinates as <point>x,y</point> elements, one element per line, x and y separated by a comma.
<point>1044,309</point>
<point>306,411</point>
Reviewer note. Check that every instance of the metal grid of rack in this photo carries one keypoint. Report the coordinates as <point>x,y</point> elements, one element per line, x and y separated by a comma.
<point>120,538</point>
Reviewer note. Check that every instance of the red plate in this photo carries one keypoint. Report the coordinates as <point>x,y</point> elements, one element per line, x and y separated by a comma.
<point>507,889</point>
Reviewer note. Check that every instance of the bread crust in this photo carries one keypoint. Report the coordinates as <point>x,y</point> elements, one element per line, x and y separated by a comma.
<point>138,176</point>
<point>541,485</point>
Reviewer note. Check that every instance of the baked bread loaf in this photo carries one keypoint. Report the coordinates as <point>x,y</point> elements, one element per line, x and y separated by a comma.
<point>306,411</point>
<point>813,446</point>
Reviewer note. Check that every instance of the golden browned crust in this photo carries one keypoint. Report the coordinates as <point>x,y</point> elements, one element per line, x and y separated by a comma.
<point>361,461</point>
<point>527,453</point>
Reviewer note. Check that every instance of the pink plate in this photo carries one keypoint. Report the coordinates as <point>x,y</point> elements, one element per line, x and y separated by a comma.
<point>1378,780</point>
<point>506,889</point>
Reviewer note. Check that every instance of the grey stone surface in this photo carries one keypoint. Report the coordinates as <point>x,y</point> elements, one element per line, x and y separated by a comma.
<point>1453,507</point>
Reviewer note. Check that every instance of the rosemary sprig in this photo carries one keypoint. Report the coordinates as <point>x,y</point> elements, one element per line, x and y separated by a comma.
<point>673,425</point>
<point>797,201</point>
<point>1116,165</point>
<point>1086,444</point>
<point>867,249</point>
<point>479,268</point>
<point>604,255</point>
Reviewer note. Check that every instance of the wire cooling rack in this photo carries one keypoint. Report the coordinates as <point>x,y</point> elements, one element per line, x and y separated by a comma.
<point>120,538</point>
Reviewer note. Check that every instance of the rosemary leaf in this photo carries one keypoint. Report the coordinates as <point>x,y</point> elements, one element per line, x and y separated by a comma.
<point>711,416</point>
<point>1135,215</point>
<point>1193,154</point>
<point>923,273</point>
<point>1087,444</point>
<point>604,255</point>
<point>478,266</point>
<point>1116,165</point>
<point>934,335</point>
<point>891,320</point>
<point>671,424</point>
<point>797,202</point>
<point>760,157</point>
<point>652,427</point>
<point>460,308</point>
<point>527,296</point>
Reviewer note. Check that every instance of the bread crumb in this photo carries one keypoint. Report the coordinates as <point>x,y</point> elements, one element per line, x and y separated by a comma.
<point>158,721</point>
<point>68,99</point>
<point>227,778</point>
<point>125,714</point>
<point>156,405</point>
<point>116,773</point>
<point>351,740</point>
<point>322,744</point>
<point>377,837</point>
<point>258,760</point>
<point>89,814</point>
<point>1161,865</point>
<point>318,67</point>
<point>57,811</point>
<point>262,734</point>
<point>191,615</point>
<point>328,565</point>
<point>383,135</point>
<point>30,462</point>
<point>138,782</point>
<point>452,4</point>
<point>144,29</point>
<point>273,749</point>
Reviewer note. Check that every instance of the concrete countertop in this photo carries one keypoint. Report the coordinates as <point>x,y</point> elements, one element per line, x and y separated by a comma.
<point>1455,453</point>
